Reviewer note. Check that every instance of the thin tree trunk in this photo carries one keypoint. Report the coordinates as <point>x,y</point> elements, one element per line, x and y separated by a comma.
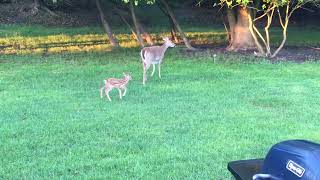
<point>106,26</point>
<point>145,34</point>
<point>251,28</point>
<point>284,34</point>
<point>118,12</point>
<point>173,28</point>
<point>175,22</point>
<point>266,29</point>
<point>174,35</point>
<point>284,31</point>
<point>134,19</point>
<point>259,34</point>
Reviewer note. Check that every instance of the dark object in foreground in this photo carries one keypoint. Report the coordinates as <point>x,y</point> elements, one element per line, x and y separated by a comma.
<point>245,169</point>
<point>287,160</point>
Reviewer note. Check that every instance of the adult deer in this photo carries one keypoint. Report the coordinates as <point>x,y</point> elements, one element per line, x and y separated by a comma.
<point>154,55</point>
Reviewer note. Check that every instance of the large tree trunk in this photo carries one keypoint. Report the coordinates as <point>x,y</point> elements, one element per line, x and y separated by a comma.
<point>106,26</point>
<point>232,23</point>
<point>240,35</point>
<point>136,25</point>
<point>176,24</point>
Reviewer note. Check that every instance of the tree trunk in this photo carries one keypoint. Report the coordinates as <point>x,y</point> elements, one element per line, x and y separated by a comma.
<point>284,34</point>
<point>135,22</point>
<point>241,37</point>
<point>174,35</point>
<point>253,31</point>
<point>117,11</point>
<point>144,34</point>
<point>176,24</point>
<point>173,28</point>
<point>232,23</point>
<point>106,26</point>
<point>284,30</point>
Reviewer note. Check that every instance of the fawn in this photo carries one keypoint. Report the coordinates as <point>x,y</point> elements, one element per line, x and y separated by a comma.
<point>120,84</point>
<point>154,55</point>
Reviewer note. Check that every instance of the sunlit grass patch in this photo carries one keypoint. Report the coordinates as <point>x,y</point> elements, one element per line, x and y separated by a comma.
<point>88,42</point>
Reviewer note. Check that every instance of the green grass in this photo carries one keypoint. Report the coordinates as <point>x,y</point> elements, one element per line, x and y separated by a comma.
<point>190,124</point>
<point>298,36</point>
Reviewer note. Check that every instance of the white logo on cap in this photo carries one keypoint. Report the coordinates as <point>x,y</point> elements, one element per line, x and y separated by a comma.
<point>295,168</point>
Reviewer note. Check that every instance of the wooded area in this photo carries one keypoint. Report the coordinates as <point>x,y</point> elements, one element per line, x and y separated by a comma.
<point>244,21</point>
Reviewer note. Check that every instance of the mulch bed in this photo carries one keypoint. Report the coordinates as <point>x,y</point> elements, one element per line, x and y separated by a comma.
<point>289,53</point>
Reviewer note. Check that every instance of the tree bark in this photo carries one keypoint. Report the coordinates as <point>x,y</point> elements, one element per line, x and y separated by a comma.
<point>284,31</point>
<point>106,26</point>
<point>174,35</point>
<point>135,22</point>
<point>176,24</point>
<point>239,27</point>
<point>232,23</point>
<point>145,34</point>
<point>173,28</point>
<point>118,12</point>
<point>256,41</point>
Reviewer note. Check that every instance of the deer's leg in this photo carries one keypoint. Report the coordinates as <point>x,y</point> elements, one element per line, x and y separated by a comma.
<point>159,69</point>
<point>144,73</point>
<point>120,93</point>
<point>145,68</point>
<point>101,92</point>
<point>153,69</point>
<point>107,90</point>
<point>125,91</point>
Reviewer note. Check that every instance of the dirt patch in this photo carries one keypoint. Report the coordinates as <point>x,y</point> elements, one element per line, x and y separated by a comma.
<point>289,53</point>
<point>299,54</point>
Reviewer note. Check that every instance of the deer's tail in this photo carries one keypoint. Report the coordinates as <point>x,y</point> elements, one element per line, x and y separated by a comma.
<point>142,52</point>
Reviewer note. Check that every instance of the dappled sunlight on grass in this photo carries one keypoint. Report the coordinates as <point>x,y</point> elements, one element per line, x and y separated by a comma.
<point>89,42</point>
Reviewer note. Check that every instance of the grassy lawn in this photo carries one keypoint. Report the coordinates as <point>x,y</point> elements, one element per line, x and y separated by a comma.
<point>190,124</point>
